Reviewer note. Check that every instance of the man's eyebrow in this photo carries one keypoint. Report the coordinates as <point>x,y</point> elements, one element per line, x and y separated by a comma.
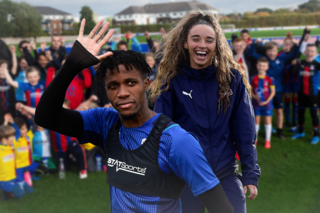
<point>111,82</point>
<point>131,79</point>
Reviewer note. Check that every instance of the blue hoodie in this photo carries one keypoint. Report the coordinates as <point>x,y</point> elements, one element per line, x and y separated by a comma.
<point>192,102</point>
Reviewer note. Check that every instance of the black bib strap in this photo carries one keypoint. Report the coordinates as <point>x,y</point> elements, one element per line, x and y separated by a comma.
<point>137,171</point>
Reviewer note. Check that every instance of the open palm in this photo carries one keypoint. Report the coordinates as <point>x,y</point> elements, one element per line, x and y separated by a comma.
<point>94,42</point>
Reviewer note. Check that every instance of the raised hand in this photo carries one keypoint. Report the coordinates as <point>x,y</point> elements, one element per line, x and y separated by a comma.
<point>19,106</point>
<point>13,49</point>
<point>93,43</point>
<point>131,34</point>
<point>307,37</point>
<point>62,41</point>
<point>146,35</point>
<point>43,46</point>
<point>259,40</point>
<point>116,38</point>
<point>33,45</point>
<point>7,119</point>
<point>48,55</point>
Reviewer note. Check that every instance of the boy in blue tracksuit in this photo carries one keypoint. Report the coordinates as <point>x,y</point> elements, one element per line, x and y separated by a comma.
<point>276,66</point>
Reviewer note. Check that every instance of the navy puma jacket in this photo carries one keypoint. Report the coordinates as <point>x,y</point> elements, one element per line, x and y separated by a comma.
<point>192,102</point>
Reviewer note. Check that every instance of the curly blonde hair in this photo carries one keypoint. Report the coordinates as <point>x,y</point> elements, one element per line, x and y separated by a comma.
<point>174,54</point>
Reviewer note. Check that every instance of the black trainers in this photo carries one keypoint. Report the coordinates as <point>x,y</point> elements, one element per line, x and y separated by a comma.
<point>5,196</point>
<point>281,136</point>
<point>286,125</point>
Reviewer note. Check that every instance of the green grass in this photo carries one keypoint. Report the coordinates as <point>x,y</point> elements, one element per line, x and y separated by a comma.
<point>289,183</point>
<point>69,195</point>
<point>290,180</point>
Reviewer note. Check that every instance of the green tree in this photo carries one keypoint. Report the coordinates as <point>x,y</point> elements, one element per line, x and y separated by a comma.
<point>87,13</point>
<point>311,5</point>
<point>109,19</point>
<point>26,20</point>
<point>302,11</point>
<point>265,9</point>
<point>282,11</point>
<point>6,11</point>
<point>19,19</point>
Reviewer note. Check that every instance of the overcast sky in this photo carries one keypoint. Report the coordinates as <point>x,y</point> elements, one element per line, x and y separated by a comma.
<point>111,7</point>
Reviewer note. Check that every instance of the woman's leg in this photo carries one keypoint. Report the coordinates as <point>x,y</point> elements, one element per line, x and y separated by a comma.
<point>190,203</point>
<point>233,188</point>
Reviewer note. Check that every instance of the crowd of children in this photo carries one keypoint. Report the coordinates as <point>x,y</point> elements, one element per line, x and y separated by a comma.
<point>26,149</point>
<point>281,75</point>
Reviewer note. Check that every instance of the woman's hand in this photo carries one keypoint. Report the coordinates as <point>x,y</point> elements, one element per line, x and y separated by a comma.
<point>94,42</point>
<point>253,191</point>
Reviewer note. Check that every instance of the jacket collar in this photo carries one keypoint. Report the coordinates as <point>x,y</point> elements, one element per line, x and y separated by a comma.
<point>204,73</point>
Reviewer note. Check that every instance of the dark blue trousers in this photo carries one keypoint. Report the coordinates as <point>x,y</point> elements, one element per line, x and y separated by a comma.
<point>77,151</point>
<point>232,187</point>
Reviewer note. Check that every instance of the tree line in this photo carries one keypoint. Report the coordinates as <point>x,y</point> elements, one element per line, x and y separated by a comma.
<point>19,19</point>
<point>312,6</point>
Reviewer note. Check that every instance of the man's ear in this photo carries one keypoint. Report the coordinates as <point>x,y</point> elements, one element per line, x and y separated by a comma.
<point>146,83</point>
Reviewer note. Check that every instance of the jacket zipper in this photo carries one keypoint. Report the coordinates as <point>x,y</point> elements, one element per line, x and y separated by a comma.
<point>209,118</point>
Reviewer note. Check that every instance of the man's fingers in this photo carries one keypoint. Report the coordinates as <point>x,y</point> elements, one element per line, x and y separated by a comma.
<point>81,30</point>
<point>106,38</point>
<point>94,30</point>
<point>245,190</point>
<point>102,31</point>
<point>107,54</point>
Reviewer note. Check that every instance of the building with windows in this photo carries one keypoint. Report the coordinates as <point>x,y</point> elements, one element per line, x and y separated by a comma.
<point>55,21</point>
<point>161,13</point>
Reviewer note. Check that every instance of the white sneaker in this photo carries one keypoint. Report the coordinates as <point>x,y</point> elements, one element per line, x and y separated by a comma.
<point>83,174</point>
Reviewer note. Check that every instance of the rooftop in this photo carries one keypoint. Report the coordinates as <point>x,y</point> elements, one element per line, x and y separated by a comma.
<point>166,7</point>
<point>50,11</point>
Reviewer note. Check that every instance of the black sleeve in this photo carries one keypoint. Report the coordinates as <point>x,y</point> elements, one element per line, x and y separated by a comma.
<point>5,53</point>
<point>28,56</point>
<point>294,68</point>
<point>303,36</point>
<point>62,53</point>
<point>35,52</point>
<point>317,65</point>
<point>49,112</point>
<point>150,44</point>
<point>234,37</point>
<point>301,40</point>
<point>215,200</point>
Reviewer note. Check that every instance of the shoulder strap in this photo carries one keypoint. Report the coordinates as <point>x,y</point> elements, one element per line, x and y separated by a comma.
<point>158,128</point>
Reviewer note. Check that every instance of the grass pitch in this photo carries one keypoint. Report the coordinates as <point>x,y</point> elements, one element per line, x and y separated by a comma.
<point>289,183</point>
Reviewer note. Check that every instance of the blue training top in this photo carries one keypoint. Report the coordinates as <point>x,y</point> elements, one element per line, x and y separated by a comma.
<point>20,96</point>
<point>179,152</point>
